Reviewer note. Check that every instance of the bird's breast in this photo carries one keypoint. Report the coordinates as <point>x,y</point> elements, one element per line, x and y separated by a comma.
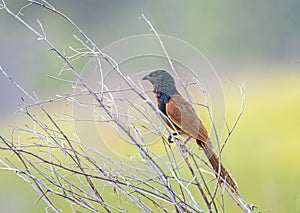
<point>162,99</point>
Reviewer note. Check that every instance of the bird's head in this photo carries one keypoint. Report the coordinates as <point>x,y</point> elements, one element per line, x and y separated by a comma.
<point>162,81</point>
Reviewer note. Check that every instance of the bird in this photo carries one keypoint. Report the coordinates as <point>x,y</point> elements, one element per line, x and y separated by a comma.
<point>182,119</point>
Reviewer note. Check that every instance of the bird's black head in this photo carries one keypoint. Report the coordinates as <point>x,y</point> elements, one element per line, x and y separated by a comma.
<point>162,81</point>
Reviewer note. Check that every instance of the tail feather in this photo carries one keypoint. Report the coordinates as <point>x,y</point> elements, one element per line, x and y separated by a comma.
<point>221,173</point>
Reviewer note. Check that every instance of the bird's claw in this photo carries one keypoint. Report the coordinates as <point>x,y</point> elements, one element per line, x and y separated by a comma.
<point>172,139</point>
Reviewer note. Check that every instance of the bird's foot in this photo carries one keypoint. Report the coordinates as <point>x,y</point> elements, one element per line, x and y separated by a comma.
<point>172,139</point>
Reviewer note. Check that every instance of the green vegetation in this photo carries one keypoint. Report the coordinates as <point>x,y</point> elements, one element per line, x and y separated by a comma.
<point>263,153</point>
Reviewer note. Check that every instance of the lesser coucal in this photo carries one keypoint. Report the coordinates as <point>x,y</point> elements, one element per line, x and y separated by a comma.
<point>185,121</point>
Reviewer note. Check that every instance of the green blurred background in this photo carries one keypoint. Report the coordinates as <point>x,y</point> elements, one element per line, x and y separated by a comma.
<point>257,41</point>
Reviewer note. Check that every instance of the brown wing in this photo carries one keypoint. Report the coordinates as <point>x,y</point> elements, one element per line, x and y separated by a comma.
<point>182,114</point>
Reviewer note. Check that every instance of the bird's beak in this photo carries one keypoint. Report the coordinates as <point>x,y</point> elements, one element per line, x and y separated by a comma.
<point>146,77</point>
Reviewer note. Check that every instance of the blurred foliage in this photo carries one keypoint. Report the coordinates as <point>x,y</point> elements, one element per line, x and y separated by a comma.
<point>266,142</point>
<point>258,41</point>
<point>262,154</point>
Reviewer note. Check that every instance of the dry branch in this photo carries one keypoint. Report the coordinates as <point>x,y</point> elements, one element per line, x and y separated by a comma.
<point>58,164</point>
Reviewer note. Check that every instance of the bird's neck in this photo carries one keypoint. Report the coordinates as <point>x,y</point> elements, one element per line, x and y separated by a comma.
<point>163,95</point>
<point>167,90</point>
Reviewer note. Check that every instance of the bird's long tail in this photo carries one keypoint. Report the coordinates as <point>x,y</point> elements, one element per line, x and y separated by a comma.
<point>222,174</point>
